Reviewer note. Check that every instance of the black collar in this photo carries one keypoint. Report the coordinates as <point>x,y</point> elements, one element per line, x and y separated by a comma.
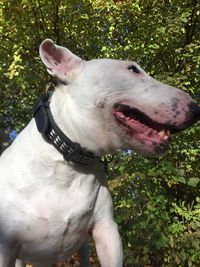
<point>49,129</point>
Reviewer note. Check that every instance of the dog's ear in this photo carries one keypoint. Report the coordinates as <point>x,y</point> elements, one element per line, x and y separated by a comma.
<point>60,62</point>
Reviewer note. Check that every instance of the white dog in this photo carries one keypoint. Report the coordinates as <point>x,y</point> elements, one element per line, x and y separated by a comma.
<point>53,190</point>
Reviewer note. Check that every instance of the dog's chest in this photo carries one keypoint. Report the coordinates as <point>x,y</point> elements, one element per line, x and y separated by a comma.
<point>58,221</point>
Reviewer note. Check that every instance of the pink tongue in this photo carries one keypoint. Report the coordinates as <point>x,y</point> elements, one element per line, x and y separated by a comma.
<point>137,126</point>
<point>141,131</point>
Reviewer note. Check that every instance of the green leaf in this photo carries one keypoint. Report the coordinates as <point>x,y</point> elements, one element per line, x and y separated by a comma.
<point>193,181</point>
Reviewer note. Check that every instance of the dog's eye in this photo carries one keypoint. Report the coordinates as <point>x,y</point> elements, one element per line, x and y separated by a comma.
<point>133,68</point>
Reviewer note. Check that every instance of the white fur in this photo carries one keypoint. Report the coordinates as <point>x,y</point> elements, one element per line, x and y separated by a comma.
<point>49,206</point>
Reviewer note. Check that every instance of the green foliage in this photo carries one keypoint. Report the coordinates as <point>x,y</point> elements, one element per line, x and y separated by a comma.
<point>159,221</point>
<point>157,200</point>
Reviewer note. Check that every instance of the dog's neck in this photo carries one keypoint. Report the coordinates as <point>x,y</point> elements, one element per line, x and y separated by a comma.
<point>62,116</point>
<point>78,123</point>
<point>49,164</point>
<point>53,134</point>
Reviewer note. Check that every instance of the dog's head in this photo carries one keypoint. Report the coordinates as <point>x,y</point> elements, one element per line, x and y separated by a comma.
<point>109,104</point>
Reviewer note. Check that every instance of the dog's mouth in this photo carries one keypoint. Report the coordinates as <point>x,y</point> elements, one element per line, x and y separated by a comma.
<point>143,128</point>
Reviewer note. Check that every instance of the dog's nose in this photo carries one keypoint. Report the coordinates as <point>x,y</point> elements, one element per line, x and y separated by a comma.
<point>194,111</point>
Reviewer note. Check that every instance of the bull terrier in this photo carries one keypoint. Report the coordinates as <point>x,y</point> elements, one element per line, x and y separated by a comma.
<point>53,189</point>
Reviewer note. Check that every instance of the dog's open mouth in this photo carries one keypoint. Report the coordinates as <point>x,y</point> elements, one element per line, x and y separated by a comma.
<point>141,126</point>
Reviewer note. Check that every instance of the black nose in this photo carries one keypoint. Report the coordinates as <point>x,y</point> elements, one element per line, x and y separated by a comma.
<point>194,111</point>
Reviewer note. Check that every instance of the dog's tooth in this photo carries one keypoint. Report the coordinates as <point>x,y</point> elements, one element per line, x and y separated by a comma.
<point>162,133</point>
<point>120,114</point>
